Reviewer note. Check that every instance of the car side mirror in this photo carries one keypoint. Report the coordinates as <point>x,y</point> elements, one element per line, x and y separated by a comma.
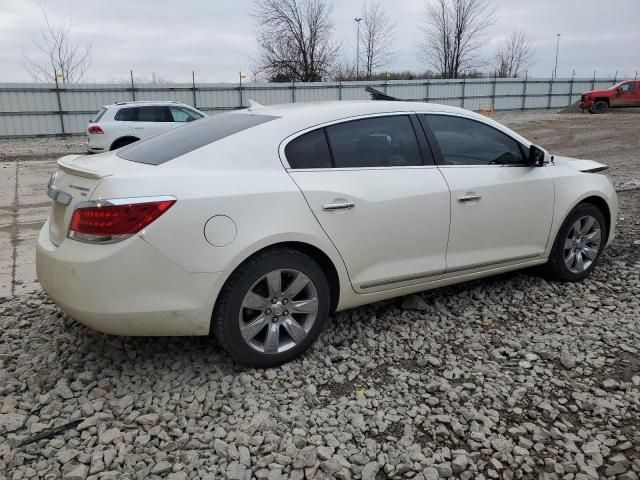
<point>536,156</point>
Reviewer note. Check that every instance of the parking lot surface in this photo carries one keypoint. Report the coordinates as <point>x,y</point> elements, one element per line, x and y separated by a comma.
<point>509,377</point>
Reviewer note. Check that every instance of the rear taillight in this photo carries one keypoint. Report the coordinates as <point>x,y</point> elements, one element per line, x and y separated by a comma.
<point>95,129</point>
<point>114,220</point>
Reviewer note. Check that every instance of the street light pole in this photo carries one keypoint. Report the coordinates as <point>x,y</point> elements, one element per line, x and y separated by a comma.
<point>555,69</point>
<point>357,20</point>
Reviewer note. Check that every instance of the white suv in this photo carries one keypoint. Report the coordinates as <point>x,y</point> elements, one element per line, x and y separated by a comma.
<point>123,123</point>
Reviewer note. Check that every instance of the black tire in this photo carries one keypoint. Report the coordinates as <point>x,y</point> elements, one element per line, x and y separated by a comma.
<point>556,267</point>
<point>121,142</point>
<point>600,107</point>
<point>228,310</point>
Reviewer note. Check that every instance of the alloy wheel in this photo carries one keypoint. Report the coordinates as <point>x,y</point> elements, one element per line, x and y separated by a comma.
<point>278,311</point>
<point>582,245</point>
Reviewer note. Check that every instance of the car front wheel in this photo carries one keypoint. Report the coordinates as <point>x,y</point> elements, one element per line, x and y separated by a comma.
<point>272,308</point>
<point>600,107</point>
<point>579,244</point>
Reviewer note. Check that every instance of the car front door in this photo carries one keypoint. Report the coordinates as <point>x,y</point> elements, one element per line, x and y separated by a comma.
<point>181,115</point>
<point>375,191</point>
<point>501,208</point>
<point>626,95</point>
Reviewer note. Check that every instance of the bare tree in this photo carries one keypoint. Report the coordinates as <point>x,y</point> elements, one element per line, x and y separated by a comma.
<point>295,39</point>
<point>514,55</point>
<point>376,38</point>
<point>453,31</point>
<point>59,57</point>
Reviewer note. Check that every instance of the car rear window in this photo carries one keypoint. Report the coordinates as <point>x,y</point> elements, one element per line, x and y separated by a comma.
<point>99,115</point>
<point>174,143</point>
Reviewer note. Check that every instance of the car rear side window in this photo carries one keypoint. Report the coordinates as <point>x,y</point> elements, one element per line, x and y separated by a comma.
<point>99,115</point>
<point>388,141</point>
<point>179,141</point>
<point>309,151</point>
<point>464,141</point>
<point>126,114</point>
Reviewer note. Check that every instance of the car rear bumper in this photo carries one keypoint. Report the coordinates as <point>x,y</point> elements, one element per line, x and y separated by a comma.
<point>96,143</point>
<point>126,288</point>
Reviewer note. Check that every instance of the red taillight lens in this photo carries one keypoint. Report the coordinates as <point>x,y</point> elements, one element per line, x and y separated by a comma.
<point>95,129</point>
<point>112,223</point>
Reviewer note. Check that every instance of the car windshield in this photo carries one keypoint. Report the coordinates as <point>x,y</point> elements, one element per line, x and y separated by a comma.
<point>179,141</point>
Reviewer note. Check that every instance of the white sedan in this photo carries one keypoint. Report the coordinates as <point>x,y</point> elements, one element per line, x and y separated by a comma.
<point>256,225</point>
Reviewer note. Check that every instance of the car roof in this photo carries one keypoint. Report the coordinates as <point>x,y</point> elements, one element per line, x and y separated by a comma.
<point>297,117</point>
<point>147,103</point>
<point>304,115</point>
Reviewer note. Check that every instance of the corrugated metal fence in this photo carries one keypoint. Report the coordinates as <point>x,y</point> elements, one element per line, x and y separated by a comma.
<point>46,109</point>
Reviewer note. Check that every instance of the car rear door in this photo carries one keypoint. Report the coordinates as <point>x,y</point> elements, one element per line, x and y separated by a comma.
<point>151,120</point>
<point>377,194</point>
<point>501,208</point>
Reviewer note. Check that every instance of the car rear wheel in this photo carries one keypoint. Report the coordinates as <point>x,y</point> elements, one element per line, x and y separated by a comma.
<point>272,308</point>
<point>121,142</point>
<point>600,107</point>
<point>578,245</point>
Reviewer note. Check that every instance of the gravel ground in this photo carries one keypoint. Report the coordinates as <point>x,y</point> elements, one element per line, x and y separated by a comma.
<point>511,377</point>
<point>613,138</point>
<point>37,148</point>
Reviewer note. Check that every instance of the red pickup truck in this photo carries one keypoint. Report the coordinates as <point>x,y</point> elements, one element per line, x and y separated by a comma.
<point>622,94</point>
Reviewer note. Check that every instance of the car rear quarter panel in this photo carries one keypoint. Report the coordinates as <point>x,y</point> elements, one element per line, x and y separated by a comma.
<point>241,178</point>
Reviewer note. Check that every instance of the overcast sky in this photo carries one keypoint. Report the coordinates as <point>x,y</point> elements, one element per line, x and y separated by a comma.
<point>216,37</point>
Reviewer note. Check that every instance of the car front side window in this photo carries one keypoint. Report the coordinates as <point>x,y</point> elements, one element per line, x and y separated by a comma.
<point>464,141</point>
<point>626,87</point>
<point>181,114</point>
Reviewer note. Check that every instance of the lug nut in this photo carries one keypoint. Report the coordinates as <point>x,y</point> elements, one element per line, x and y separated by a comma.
<point>286,313</point>
<point>274,300</point>
<point>274,319</point>
<point>268,311</point>
<point>285,301</point>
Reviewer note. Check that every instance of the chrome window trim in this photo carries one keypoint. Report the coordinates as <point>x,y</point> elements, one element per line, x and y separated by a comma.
<point>523,142</point>
<point>293,136</point>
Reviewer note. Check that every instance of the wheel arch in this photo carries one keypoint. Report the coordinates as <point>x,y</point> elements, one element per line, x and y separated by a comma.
<point>318,255</point>
<point>119,140</point>
<point>601,204</point>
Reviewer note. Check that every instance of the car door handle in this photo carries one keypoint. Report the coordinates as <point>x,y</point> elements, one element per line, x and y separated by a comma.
<point>338,206</point>
<point>469,198</point>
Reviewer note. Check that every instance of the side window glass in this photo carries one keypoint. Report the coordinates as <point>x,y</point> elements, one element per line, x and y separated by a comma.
<point>126,115</point>
<point>309,151</point>
<point>374,142</point>
<point>468,142</point>
<point>626,87</point>
<point>153,114</point>
<point>180,114</point>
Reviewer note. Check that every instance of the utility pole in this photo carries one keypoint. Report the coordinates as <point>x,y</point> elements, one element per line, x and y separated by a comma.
<point>357,20</point>
<point>555,69</point>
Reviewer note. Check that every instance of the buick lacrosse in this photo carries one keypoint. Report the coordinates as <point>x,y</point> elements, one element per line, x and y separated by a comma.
<point>256,225</point>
